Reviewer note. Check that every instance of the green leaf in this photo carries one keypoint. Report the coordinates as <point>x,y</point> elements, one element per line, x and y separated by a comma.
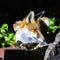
<point>5,26</point>
<point>3,31</point>
<point>1,36</point>
<point>11,35</point>
<point>6,38</point>
<point>3,44</point>
<point>53,27</point>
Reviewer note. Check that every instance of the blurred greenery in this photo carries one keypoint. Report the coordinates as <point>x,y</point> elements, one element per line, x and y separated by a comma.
<point>52,28</point>
<point>6,37</point>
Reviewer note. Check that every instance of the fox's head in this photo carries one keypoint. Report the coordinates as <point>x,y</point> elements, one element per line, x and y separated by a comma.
<point>29,30</point>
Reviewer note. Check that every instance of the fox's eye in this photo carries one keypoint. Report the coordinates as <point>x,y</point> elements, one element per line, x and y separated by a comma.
<point>35,29</point>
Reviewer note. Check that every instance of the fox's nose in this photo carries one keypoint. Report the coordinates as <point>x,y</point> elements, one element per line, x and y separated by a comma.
<point>41,41</point>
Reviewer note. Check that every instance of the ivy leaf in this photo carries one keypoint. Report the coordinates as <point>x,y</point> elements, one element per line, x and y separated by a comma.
<point>53,27</point>
<point>1,36</point>
<point>5,26</point>
<point>11,35</point>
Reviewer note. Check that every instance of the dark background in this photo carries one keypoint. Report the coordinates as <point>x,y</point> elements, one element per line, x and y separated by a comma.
<point>10,11</point>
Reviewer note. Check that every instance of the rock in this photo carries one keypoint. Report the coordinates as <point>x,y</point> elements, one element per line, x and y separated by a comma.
<point>53,50</point>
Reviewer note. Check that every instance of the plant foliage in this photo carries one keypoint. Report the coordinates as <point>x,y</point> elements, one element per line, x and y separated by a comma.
<point>6,37</point>
<point>53,27</point>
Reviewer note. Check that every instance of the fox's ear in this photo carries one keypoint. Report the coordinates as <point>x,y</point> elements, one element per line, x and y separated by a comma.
<point>30,17</point>
<point>41,14</point>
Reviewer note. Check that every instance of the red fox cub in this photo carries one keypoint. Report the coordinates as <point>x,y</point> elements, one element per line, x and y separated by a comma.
<point>29,30</point>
